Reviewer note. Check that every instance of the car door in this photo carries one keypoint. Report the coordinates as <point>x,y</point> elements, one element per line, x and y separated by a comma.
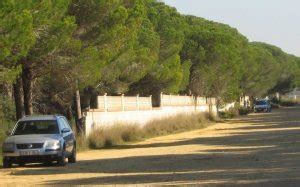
<point>65,135</point>
<point>70,135</point>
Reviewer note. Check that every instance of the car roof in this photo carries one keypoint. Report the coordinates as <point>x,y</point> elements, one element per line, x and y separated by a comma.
<point>40,117</point>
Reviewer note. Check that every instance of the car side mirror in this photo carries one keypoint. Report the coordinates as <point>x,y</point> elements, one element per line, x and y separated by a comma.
<point>8,133</point>
<point>65,130</point>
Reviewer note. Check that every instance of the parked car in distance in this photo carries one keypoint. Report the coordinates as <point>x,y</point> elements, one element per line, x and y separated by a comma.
<point>40,139</point>
<point>262,106</point>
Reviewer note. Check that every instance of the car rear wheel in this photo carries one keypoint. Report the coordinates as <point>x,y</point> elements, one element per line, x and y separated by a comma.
<point>7,163</point>
<point>72,158</point>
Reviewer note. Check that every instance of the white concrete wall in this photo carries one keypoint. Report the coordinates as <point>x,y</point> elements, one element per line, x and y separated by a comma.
<point>96,119</point>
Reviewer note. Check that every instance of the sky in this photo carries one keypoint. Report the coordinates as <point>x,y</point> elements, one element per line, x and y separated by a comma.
<point>276,22</point>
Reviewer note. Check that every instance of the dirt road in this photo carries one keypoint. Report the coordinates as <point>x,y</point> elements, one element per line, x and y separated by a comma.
<point>258,150</point>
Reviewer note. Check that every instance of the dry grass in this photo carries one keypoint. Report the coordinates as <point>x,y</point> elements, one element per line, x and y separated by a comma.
<point>175,124</point>
<point>120,134</point>
<point>115,135</point>
<point>81,143</point>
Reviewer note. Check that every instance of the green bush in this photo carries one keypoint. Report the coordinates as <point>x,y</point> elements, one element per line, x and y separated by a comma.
<point>7,108</point>
<point>7,119</point>
<point>288,103</point>
<point>283,102</point>
<point>275,100</point>
<point>243,111</point>
<point>228,114</point>
<point>275,105</point>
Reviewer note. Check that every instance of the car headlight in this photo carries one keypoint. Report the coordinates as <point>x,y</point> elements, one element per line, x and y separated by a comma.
<point>8,146</point>
<point>52,145</point>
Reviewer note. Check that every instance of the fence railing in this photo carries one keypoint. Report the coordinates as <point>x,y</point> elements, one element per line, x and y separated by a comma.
<point>178,100</point>
<point>107,103</point>
<point>123,103</point>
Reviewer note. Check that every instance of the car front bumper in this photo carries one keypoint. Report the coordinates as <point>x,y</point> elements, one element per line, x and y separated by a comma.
<point>261,109</point>
<point>32,159</point>
<point>32,155</point>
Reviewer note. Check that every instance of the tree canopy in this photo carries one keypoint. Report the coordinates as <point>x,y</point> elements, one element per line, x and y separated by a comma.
<point>50,48</point>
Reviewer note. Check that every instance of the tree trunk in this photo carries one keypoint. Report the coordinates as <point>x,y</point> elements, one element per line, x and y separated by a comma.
<point>78,118</point>
<point>18,96</point>
<point>27,76</point>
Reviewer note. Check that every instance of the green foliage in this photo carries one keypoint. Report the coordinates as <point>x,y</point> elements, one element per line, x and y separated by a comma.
<point>135,47</point>
<point>7,110</point>
<point>124,43</point>
<point>287,103</point>
<point>243,111</point>
<point>215,51</point>
<point>261,70</point>
<point>33,28</point>
<point>8,75</point>
<point>7,119</point>
<point>229,114</point>
<point>16,36</point>
<point>168,71</point>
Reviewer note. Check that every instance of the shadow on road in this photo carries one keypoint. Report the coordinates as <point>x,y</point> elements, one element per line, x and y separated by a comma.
<point>264,153</point>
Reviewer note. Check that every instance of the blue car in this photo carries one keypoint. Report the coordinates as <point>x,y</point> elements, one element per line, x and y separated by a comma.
<point>262,106</point>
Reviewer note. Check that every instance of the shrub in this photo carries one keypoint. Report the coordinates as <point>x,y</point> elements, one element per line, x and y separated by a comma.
<point>275,105</point>
<point>7,119</point>
<point>243,111</point>
<point>112,136</point>
<point>228,114</point>
<point>7,109</point>
<point>174,124</point>
<point>283,102</point>
<point>121,133</point>
<point>275,100</point>
<point>288,103</point>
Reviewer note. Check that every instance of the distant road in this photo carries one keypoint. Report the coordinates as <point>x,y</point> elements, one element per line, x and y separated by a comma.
<point>258,150</point>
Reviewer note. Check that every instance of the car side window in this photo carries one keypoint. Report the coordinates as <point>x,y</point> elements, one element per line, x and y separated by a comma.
<point>66,123</point>
<point>61,124</point>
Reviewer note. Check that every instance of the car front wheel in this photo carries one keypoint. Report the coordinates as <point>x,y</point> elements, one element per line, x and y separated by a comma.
<point>72,158</point>
<point>21,163</point>
<point>7,163</point>
<point>61,161</point>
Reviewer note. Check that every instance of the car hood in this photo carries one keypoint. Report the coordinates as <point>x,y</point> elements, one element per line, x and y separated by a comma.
<point>32,138</point>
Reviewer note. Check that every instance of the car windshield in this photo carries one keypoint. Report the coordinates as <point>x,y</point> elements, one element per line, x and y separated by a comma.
<point>261,103</point>
<point>36,127</point>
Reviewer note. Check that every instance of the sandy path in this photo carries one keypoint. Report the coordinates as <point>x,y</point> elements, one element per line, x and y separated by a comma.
<point>259,150</point>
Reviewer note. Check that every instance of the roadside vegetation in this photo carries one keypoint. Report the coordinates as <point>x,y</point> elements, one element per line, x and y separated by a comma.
<point>121,134</point>
<point>7,119</point>
<point>286,102</point>
<point>127,46</point>
<point>235,111</point>
<point>52,50</point>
